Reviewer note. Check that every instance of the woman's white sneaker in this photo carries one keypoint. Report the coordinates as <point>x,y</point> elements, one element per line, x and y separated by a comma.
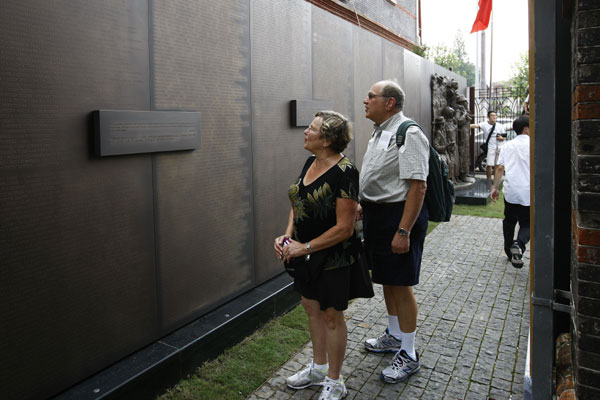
<point>307,377</point>
<point>333,390</point>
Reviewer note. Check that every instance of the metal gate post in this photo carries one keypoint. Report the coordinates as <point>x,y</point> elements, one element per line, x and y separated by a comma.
<point>543,189</point>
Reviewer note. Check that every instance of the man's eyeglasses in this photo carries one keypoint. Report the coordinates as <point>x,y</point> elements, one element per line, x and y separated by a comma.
<point>371,96</point>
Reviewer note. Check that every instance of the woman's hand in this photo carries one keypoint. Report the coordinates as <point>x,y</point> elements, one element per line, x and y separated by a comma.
<point>278,246</point>
<point>293,250</point>
<point>359,212</point>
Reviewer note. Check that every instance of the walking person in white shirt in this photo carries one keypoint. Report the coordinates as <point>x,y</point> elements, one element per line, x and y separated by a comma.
<point>514,159</point>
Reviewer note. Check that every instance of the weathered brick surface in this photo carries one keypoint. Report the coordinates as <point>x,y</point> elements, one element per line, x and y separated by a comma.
<point>588,272</point>
<point>588,19</point>
<point>585,5</point>
<point>588,165</point>
<point>589,202</point>
<point>589,237</point>
<point>587,376</point>
<point>589,289</point>
<point>586,93</point>
<point>589,219</point>
<point>587,147</point>
<point>589,360</point>
<point>471,331</point>
<point>588,36</point>
<point>590,307</point>
<point>589,255</point>
<point>585,279</point>
<point>588,55</point>
<point>586,111</point>
<point>586,129</point>
<point>587,343</point>
<point>587,393</point>
<point>588,73</point>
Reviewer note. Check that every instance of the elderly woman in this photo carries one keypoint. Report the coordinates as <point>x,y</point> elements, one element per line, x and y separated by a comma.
<point>322,219</point>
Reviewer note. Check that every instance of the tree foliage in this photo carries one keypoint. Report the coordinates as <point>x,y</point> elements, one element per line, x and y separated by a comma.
<point>520,72</point>
<point>454,59</point>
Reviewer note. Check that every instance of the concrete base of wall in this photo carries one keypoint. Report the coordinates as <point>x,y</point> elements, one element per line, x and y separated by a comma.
<point>162,364</point>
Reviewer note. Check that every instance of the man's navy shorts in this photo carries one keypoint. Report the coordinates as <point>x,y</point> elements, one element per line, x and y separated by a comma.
<point>380,223</point>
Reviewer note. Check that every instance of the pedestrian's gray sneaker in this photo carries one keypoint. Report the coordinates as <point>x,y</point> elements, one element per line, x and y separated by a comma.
<point>517,255</point>
<point>307,377</point>
<point>385,343</point>
<point>402,367</point>
<point>333,390</point>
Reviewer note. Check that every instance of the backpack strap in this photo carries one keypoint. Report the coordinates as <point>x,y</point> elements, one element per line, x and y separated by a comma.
<point>491,133</point>
<point>401,133</point>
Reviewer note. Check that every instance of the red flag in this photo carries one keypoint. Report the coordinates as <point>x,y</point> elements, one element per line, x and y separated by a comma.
<point>483,16</point>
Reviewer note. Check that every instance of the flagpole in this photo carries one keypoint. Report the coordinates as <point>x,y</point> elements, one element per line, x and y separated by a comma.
<point>477,62</point>
<point>491,52</point>
<point>483,71</point>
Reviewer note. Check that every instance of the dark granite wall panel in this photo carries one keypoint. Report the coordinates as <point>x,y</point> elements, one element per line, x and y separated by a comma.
<point>393,62</point>
<point>281,71</point>
<point>204,197</point>
<point>412,86</point>
<point>76,246</point>
<point>332,64</point>
<point>367,71</point>
<point>101,256</point>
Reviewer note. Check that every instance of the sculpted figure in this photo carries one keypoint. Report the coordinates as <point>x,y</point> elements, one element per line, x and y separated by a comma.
<point>463,120</point>
<point>438,95</point>
<point>440,144</point>
<point>451,126</point>
<point>451,153</point>
<point>452,92</point>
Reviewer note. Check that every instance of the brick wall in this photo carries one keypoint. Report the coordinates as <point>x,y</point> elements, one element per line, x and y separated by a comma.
<point>585,132</point>
<point>397,23</point>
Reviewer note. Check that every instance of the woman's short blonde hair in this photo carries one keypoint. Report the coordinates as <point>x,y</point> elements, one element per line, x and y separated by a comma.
<point>336,129</point>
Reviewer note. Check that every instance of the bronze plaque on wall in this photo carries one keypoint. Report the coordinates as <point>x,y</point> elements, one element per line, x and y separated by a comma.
<point>131,132</point>
<point>302,112</point>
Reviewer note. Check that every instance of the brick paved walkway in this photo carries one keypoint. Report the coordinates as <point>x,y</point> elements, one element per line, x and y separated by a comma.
<point>471,332</point>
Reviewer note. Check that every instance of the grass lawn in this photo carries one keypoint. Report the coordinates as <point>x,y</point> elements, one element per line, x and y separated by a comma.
<point>492,210</point>
<point>242,368</point>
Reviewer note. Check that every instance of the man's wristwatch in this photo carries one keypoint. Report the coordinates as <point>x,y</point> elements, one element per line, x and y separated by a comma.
<point>403,232</point>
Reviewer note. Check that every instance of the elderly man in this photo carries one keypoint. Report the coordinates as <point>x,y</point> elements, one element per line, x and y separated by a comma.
<point>392,189</point>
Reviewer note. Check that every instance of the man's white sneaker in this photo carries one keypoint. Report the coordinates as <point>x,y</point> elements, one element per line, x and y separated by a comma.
<point>307,377</point>
<point>385,343</point>
<point>333,390</point>
<point>402,367</point>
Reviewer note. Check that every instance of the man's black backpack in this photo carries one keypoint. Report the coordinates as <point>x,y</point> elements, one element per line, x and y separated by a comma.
<point>439,197</point>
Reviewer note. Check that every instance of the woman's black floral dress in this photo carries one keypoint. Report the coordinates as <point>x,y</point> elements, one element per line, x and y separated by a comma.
<point>314,209</point>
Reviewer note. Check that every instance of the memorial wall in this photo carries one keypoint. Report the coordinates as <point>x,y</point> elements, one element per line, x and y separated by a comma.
<point>104,253</point>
